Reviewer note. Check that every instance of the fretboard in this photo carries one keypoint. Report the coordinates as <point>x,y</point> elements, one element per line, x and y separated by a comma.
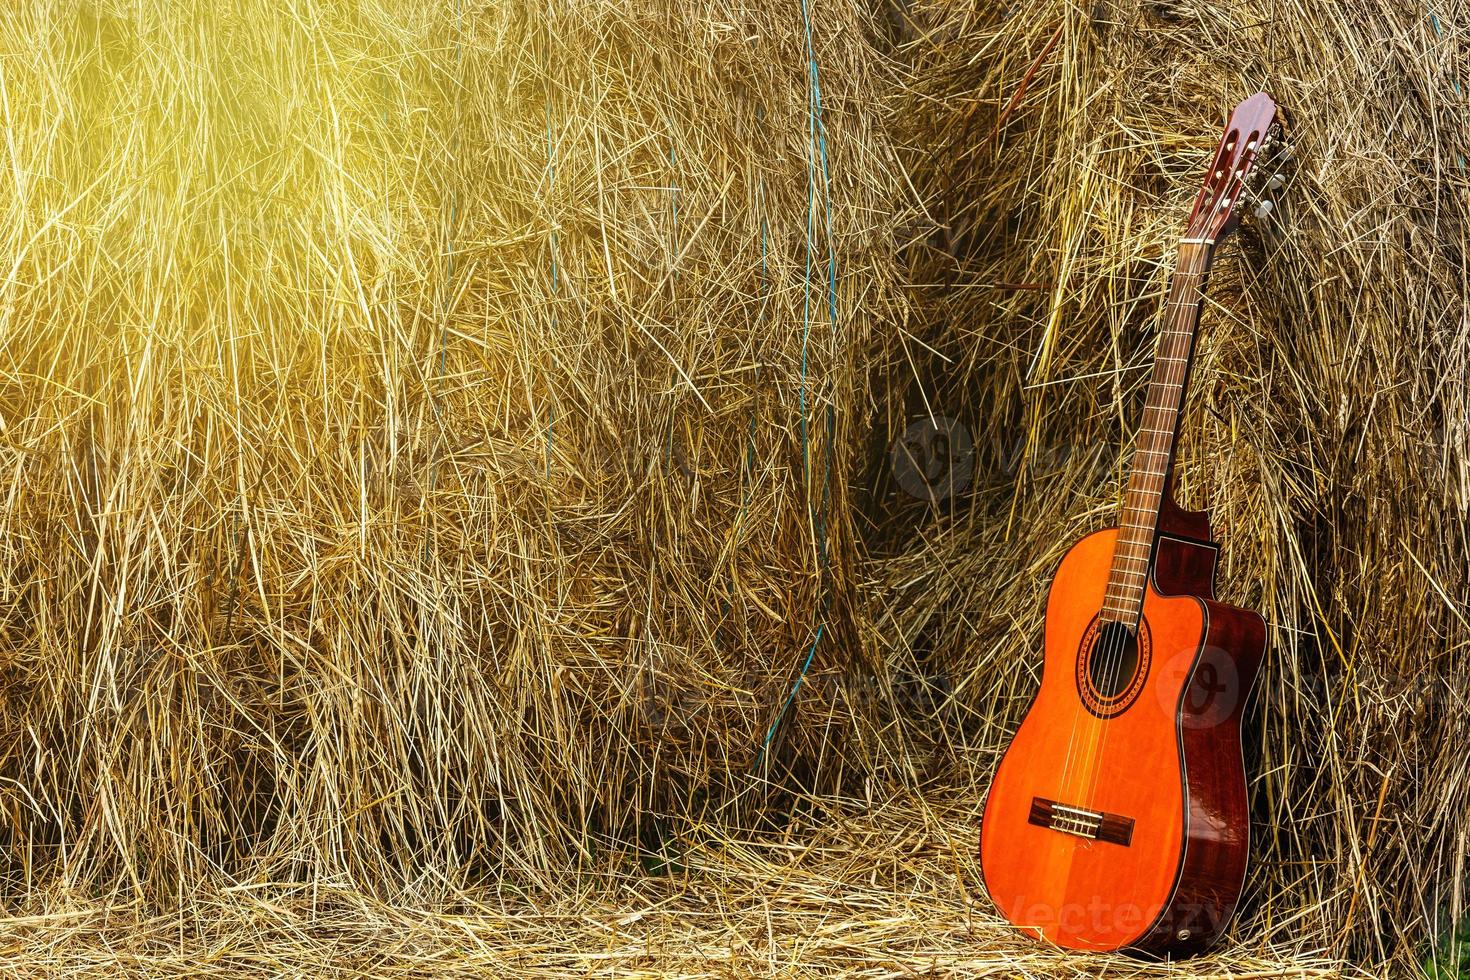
<point>1153,453</point>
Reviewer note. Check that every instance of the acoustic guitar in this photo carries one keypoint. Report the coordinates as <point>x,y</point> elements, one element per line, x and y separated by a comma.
<point>1118,818</point>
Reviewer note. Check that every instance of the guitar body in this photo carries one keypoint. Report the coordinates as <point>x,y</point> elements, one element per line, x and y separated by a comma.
<point>1118,817</point>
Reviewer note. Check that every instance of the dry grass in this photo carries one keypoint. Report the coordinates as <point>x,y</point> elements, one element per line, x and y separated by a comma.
<point>1328,434</point>
<point>404,416</point>
<point>446,527</point>
<point>886,892</point>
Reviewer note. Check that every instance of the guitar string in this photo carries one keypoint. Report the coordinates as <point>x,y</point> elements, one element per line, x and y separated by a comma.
<point>1186,293</point>
<point>1179,328</point>
<point>1142,496</point>
<point>1180,324</point>
<point>1080,764</point>
<point>1120,589</point>
<point>1191,269</point>
<point>1081,758</point>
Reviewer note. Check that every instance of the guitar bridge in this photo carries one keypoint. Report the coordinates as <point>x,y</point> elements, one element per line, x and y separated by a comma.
<point>1089,824</point>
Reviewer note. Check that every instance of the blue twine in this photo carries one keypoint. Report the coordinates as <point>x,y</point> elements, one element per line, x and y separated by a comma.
<point>1439,32</point>
<point>817,134</point>
<point>771,732</point>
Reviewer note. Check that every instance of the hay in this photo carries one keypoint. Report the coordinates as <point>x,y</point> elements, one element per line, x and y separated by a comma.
<point>448,524</point>
<point>871,894</point>
<point>1328,433</point>
<point>424,428</point>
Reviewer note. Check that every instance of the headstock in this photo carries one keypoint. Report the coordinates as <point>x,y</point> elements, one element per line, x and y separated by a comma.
<point>1253,134</point>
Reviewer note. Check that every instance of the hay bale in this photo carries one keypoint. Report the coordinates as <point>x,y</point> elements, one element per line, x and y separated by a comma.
<point>439,438</point>
<point>423,426</point>
<point>1059,148</point>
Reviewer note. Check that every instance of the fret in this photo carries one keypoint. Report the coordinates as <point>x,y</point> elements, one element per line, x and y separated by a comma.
<point>1154,444</point>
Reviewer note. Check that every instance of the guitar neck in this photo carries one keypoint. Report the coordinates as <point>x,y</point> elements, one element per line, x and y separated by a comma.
<point>1153,454</point>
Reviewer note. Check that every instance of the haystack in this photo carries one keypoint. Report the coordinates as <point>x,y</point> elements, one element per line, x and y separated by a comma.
<point>451,521</point>
<point>1059,151</point>
<point>426,428</point>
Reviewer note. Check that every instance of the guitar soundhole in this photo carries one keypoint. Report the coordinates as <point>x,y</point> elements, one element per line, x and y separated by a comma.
<point>1112,666</point>
<point>1114,660</point>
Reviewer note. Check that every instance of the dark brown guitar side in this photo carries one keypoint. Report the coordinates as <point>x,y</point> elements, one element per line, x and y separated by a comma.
<point>1118,817</point>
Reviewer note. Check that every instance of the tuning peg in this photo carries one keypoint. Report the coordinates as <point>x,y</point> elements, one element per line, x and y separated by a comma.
<point>1264,209</point>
